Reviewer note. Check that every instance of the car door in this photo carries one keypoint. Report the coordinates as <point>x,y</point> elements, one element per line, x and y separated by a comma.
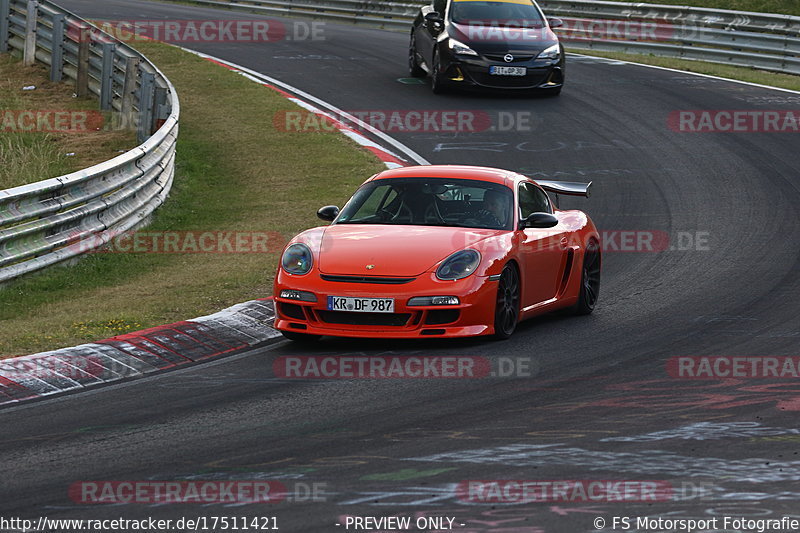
<point>425,36</point>
<point>542,250</point>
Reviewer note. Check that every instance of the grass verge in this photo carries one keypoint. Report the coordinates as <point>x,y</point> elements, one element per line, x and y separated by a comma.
<point>234,172</point>
<point>27,156</point>
<point>789,7</point>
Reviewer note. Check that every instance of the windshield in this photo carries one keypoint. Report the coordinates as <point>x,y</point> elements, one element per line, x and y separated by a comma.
<point>518,13</point>
<point>431,202</point>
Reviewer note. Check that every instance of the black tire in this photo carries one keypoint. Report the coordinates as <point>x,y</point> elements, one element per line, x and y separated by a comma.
<point>438,85</point>
<point>506,313</point>
<point>590,280</point>
<point>300,337</point>
<point>414,69</point>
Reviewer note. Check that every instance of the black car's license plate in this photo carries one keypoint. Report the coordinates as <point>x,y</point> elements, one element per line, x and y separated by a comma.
<point>507,71</point>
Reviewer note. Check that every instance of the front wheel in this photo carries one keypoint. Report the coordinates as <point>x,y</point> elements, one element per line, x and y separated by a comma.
<point>438,85</point>
<point>590,280</point>
<point>506,314</point>
<point>413,66</point>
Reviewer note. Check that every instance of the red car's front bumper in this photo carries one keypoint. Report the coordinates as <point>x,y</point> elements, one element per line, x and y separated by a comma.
<point>474,315</point>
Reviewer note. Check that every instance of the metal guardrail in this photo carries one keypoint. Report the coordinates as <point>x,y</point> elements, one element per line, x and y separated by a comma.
<point>61,218</point>
<point>760,40</point>
<point>389,15</point>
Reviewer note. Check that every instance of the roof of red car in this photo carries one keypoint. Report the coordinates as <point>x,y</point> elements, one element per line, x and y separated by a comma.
<point>494,175</point>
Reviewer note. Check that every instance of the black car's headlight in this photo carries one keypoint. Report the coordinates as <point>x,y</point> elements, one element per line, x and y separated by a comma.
<point>297,259</point>
<point>460,48</point>
<point>552,52</point>
<point>459,265</point>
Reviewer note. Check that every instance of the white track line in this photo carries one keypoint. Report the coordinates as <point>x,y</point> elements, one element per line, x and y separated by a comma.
<point>751,84</point>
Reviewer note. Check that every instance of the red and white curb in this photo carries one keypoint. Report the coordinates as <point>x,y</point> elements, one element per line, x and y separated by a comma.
<point>241,327</point>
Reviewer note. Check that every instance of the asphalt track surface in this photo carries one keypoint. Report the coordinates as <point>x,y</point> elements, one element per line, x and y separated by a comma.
<point>600,405</point>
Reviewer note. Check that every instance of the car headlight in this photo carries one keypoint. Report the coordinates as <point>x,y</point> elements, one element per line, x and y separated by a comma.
<point>461,48</point>
<point>552,52</point>
<point>297,259</point>
<point>459,265</point>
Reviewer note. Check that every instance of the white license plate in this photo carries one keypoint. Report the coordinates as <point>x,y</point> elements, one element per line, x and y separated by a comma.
<point>361,305</point>
<point>507,71</point>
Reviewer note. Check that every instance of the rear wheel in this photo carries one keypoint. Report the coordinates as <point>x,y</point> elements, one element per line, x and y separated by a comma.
<point>300,337</point>
<point>590,280</point>
<point>413,67</point>
<point>506,314</point>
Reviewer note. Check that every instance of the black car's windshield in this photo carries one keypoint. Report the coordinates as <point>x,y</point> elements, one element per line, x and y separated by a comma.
<point>431,202</point>
<point>514,13</point>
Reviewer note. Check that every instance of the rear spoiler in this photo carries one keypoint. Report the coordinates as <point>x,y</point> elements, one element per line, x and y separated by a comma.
<point>569,188</point>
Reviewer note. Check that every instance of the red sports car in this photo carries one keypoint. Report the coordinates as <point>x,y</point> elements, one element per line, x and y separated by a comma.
<point>439,251</point>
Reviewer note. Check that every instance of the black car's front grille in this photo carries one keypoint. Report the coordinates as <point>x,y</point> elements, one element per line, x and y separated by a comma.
<point>530,80</point>
<point>364,319</point>
<point>366,279</point>
<point>502,58</point>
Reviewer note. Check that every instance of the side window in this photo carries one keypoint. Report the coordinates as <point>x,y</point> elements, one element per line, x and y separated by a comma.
<point>532,200</point>
<point>439,6</point>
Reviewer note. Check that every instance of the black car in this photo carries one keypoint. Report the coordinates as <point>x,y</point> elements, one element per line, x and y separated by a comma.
<point>501,44</point>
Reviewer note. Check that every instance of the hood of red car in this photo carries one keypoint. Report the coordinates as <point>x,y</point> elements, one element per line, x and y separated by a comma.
<point>388,251</point>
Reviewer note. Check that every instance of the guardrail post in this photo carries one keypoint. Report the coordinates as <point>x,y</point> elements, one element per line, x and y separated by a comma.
<point>107,76</point>
<point>57,58</point>
<point>82,83</point>
<point>160,108</point>
<point>146,101</point>
<point>129,91</point>
<point>29,53</point>
<point>5,14</point>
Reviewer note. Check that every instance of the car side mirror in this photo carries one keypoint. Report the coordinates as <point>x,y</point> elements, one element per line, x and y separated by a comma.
<point>328,213</point>
<point>434,19</point>
<point>538,220</point>
<point>555,23</point>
